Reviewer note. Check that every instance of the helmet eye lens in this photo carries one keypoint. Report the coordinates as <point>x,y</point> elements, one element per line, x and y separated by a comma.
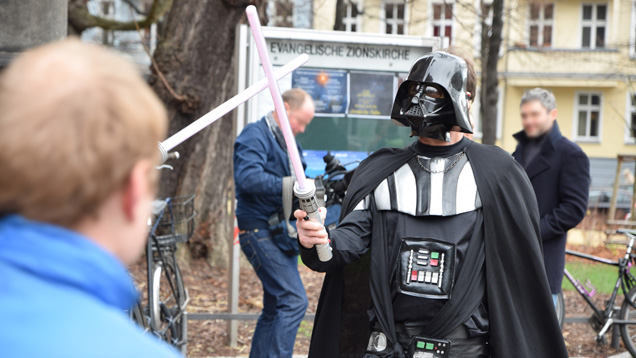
<point>414,88</point>
<point>433,92</point>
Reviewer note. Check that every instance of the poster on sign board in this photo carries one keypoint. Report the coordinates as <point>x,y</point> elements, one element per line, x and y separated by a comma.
<point>371,94</point>
<point>328,88</point>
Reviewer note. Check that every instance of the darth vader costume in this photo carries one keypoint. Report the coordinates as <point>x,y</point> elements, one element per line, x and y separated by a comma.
<point>437,253</point>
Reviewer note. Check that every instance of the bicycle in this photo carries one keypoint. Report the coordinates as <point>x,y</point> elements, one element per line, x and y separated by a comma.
<point>603,319</point>
<point>164,315</point>
<point>331,187</point>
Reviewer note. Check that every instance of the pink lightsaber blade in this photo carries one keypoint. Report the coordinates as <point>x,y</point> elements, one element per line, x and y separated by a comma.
<point>292,149</point>
<point>305,190</point>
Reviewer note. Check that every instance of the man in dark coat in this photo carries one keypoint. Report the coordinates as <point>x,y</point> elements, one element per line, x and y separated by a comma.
<point>437,253</point>
<point>560,175</point>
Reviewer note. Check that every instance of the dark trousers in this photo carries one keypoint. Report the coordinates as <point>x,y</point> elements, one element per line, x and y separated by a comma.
<point>284,298</point>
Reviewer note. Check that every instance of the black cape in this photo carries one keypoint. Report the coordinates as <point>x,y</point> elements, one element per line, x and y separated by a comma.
<point>521,312</point>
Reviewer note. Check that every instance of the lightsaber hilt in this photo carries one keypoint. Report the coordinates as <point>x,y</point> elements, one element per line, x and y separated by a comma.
<point>309,204</point>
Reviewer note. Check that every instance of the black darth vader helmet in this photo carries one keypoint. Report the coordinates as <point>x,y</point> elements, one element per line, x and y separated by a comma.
<point>432,100</point>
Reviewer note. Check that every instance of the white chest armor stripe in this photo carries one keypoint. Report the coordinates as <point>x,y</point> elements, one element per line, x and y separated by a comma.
<point>447,188</point>
<point>405,196</point>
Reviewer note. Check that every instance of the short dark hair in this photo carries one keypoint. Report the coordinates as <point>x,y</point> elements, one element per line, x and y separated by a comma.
<point>471,80</point>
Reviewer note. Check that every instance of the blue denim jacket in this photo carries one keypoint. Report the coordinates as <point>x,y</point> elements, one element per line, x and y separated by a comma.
<point>260,163</point>
<point>61,295</point>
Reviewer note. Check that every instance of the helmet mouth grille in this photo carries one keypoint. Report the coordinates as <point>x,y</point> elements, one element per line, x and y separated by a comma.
<point>415,111</point>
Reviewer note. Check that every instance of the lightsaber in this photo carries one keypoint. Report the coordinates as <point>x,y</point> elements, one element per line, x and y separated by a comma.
<point>218,112</point>
<point>305,190</point>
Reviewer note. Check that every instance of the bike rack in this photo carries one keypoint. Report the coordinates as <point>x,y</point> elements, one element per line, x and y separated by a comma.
<point>616,335</point>
<point>225,316</point>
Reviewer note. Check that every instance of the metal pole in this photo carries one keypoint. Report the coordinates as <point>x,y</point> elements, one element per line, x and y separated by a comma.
<point>633,204</point>
<point>233,287</point>
<point>612,213</point>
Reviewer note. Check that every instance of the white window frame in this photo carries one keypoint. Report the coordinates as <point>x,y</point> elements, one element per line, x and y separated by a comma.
<point>476,115</point>
<point>443,22</point>
<point>632,32</point>
<point>593,24</point>
<point>348,20</point>
<point>541,22</point>
<point>629,109</point>
<point>394,21</point>
<point>575,117</point>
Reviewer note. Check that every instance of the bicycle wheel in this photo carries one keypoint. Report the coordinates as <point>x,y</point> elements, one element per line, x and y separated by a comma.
<point>560,309</point>
<point>167,298</point>
<point>137,316</point>
<point>628,332</point>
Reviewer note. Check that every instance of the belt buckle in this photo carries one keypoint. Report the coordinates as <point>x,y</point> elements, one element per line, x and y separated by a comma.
<point>377,342</point>
<point>423,347</point>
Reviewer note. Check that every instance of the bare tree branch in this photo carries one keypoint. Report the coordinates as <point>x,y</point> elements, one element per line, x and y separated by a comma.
<point>134,7</point>
<point>177,96</point>
<point>80,19</point>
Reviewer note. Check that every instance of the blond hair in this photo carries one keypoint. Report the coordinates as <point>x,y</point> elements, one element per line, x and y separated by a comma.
<point>295,98</point>
<point>74,120</point>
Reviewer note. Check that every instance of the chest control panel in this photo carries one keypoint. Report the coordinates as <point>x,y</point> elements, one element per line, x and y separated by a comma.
<point>431,348</point>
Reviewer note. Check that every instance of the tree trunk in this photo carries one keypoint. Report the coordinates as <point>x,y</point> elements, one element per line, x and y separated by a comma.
<point>341,8</point>
<point>196,55</point>
<point>491,42</point>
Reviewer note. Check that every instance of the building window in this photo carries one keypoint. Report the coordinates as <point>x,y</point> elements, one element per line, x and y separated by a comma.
<point>594,24</point>
<point>540,24</point>
<point>587,119</point>
<point>395,18</point>
<point>630,119</point>
<point>352,19</point>
<point>443,22</point>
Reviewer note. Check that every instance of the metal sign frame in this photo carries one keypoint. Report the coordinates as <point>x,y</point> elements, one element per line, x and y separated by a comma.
<point>321,46</point>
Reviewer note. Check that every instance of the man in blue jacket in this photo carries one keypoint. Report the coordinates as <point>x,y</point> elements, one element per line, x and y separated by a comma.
<point>78,146</point>
<point>261,167</point>
<point>560,174</point>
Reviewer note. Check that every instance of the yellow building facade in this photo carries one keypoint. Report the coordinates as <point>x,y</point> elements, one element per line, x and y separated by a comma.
<point>582,51</point>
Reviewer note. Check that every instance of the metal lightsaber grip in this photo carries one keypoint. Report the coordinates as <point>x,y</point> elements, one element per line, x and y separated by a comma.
<point>309,204</point>
<point>304,189</point>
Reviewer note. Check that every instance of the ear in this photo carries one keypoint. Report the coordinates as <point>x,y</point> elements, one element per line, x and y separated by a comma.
<point>287,107</point>
<point>136,188</point>
<point>553,114</point>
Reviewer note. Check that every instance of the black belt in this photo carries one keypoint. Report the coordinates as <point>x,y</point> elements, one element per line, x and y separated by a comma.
<point>459,332</point>
<point>461,344</point>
